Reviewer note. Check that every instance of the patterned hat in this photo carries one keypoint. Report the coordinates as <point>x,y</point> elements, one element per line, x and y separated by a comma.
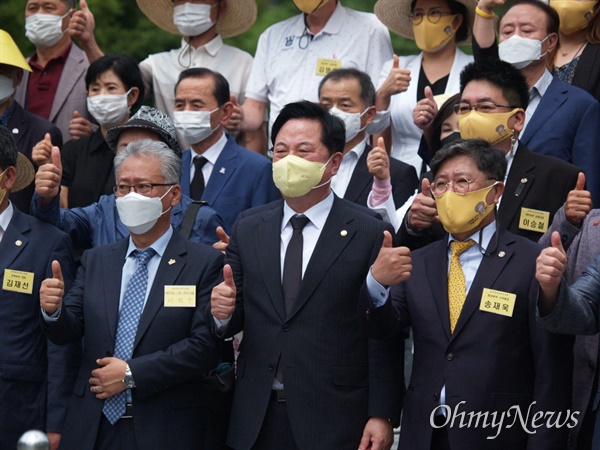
<point>150,119</point>
<point>239,16</point>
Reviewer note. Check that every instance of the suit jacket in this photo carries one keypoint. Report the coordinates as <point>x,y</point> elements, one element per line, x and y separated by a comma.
<point>240,179</point>
<point>535,181</point>
<point>403,178</point>
<point>37,376</point>
<point>587,73</point>
<point>28,129</point>
<point>335,378</point>
<point>566,124</point>
<point>491,362</point>
<point>173,347</point>
<point>71,94</point>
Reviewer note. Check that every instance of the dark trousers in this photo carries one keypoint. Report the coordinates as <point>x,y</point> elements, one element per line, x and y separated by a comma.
<point>276,433</point>
<point>119,436</point>
<point>439,436</point>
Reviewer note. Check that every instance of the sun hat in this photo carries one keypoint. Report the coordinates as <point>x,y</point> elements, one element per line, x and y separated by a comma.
<point>10,53</point>
<point>239,16</point>
<point>25,173</point>
<point>395,15</point>
<point>150,119</point>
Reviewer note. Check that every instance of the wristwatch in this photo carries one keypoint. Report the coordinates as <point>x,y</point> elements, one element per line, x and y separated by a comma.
<point>128,380</point>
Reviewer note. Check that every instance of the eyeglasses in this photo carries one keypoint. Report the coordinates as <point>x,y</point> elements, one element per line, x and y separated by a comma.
<point>432,17</point>
<point>142,188</point>
<point>482,107</point>
<point>460,186</point>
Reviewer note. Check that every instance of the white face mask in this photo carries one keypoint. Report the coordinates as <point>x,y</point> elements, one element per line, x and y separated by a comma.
<point>194,126</point>
<point>192,19</point>
<point>44,30</point>
<point>520,51</point>
<point>351,120</point>
<point>109,110</point>
<point>139,213</point>
<point>6,88</point>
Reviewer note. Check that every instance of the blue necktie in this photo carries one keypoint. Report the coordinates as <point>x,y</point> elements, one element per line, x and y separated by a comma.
<point>129,318</point>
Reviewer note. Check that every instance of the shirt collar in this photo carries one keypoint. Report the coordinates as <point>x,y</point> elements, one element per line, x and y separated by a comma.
<point>486,235</point>
<point>542,84</point>
<point>317,214</point>
<point>212,47</point>
<point>213,153</point>
<point>336,21</point>
<point>6,216</point>
<point>61,58</point>
<point>359,148</point>
<point>159,245</point>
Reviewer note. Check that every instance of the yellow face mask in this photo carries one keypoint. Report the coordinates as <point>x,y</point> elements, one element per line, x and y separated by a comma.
<point>295,176</point>
<point>309,6</point>
<point>491,127</point>
<point>574,15</point>
<point>460,213</point>
<point>432,36</point>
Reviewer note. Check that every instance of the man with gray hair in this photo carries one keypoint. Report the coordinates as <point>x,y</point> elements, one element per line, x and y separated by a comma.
<point>146,342</point>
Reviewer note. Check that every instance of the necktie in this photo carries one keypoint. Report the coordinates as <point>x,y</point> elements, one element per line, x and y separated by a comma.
<point>457,287</point>
<point>292,264</point>
<point>197,184</point>
<point>129,318</point>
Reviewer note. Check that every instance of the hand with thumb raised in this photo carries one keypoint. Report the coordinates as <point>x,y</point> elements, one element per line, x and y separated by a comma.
<point>52,290</point>
<point>579,202</point>
<point>393,264</point>
<point>423,211</point>
<point>550,266</point>
<point>41,152</point>
<point>223,242</point>
<point>222,299</point>
<point>378,161</point>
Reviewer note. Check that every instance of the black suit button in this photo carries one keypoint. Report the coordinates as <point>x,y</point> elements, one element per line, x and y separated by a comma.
<point>564,238</point>
<point>271,367</point>
<point>286,327</point>
<point>450,356</point>
<point>436,397</point>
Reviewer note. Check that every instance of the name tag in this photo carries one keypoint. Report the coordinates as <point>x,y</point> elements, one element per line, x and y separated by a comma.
<point>180,296</point>
<point>324,66</point>
<point>17,281</point>
<point>497,302</point>
<point>534,220</point>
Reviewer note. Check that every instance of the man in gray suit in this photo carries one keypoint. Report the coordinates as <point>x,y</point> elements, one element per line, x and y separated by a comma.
<point>55,89</point>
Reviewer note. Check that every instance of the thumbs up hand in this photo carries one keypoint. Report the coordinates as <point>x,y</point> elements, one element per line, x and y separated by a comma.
<point>52,290</point>
<point>426,110</point>
<point>79,126</point>
<point>579,202</point>
<point>393,264</point>
<point>41,152</point>
<point>397,81</point>
<point>378,161</point>
<point>550,266</point>
<point>222,244</point>
<point>82,24</point>
<point>233,123</point>
<point>47,178</point>
<point>423,211</point>
<point>222,299</point>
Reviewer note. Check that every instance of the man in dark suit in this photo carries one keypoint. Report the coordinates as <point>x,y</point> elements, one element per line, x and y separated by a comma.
<point>479,352</point>
<point>307,375</point>
<point>494,97</point>
<point>37,376</point>
<point>215,169</point>
<point>350,95</point>
<point>139,306</point>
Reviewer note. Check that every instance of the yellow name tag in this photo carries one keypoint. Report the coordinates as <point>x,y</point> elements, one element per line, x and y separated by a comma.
<point>497,302</point>
<point>17,281</point>
<point>180,296</point>
<point>534,220</point>
<point>324,66</point>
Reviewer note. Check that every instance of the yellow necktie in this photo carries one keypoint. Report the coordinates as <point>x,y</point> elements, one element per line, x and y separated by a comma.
<point>457,287</point>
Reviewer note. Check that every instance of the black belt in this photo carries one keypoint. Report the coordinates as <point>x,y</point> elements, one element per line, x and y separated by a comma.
<point>128,412</point>
<point>278,395</point>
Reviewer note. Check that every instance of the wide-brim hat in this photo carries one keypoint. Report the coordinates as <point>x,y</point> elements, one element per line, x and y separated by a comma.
<point>239,16</point>
<point>10,53</point>
<point>150,119</point>
<point>395,15</point>
<point>25,173</point>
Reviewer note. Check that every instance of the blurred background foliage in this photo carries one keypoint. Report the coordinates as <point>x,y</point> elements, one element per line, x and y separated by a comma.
<point>122,28</point>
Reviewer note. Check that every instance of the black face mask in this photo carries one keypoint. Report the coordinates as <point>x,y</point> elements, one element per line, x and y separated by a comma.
<point>450,138</point>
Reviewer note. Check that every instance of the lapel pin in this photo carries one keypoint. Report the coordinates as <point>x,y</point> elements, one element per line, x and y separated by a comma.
<point>15,131</point>
<point>344,233</point>
<point>222,171</point>
<point>18,243</point>
<point>596,222</point>
<point>501,254</point>
<point>171,262</point>
<point>523,180</point>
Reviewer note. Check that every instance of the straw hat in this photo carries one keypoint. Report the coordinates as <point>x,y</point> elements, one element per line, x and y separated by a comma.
<point>10,53</point>
<point>151,119</point>
<point>25,173</point>
<point>239,16</point>
<point>395,16</point>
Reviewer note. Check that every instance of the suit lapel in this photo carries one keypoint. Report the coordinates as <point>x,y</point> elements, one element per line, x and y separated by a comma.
<point>519,181</point>
<point>185,172</point>
<point>361,178</point>
<point>166,275</point>
<point>73,70</point>
<point>113,273</point>
<point>331,243</point>
<point>437,275</point>
<point>489,270</point>
<point>223,169</point>
<point>554,97</point>
<point>14,239</point>
<point>268,252</point>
